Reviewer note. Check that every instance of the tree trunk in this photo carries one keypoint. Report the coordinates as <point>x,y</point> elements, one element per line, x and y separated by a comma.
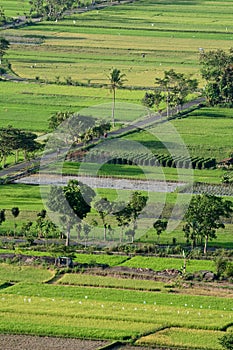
<point>121,235</point>
<point>113,107</point>
<point>4,161</point>
<point>68,236</point>
<point>16,156</point>
<point>105,232</point>
<point>168,109</point>
<point>205,246</point>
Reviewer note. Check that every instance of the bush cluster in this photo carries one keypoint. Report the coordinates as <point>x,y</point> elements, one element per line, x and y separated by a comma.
<point>145,159</point>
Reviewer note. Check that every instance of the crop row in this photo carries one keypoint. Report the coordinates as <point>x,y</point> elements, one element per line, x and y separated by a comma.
<point>214,189</point>
<point>105,313</point>
<point>109,282</point>
<point>128,297</point>
<point>145,159</point>
<point>184,337</point>
<point>30,274</point>
<point>12,273</point>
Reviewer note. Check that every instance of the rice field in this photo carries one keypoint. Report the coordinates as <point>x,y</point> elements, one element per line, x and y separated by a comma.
<point>103,313</point>
<point>85,46</point>
<point>201,132</point>
<point>29,106</point>
<point>14,273</point>
<point>159,264</point>
<point>142,39</point>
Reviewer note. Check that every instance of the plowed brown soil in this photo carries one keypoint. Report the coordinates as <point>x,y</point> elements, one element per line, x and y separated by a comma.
<point>27,342</point>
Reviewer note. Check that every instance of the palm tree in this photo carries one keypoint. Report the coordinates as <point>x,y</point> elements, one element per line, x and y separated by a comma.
<point>116,81</point>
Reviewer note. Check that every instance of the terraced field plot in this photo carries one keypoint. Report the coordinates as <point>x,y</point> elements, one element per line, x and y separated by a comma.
<point>29,106</point>
<point>109,313</point>
<point>142,39</point>
<point>201,132</point>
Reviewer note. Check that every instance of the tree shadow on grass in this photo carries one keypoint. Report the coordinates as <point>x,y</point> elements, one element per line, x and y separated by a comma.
<point>158,146</point>
<point>211,114</point>
<point>176,2</point>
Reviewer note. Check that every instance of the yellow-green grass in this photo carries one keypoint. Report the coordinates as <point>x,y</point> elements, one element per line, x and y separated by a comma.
<point>105,313</point>
<point>86,46</point>
<point>26,197</point>
<point>159,264</point>
<point>12,273</point>
<point>29,106</point>
<point>203,132</point>
<point>86,53</point>
<point>69,317</point>
<point>109,282</point>
<point>13,8</point>
<point>110,260</point>
<point>141,172</point>
<point>200,132</point>
<point>223,240</point>
<point>25,251</point>
<point>184,337</point>
<point>196,303</point>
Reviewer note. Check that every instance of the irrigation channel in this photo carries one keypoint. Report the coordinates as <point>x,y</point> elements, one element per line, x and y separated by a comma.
<point>102,182</point>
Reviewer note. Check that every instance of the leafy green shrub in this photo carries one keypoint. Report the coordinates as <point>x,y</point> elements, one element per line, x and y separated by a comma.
<point>227,341</point>
<point>229,270</point>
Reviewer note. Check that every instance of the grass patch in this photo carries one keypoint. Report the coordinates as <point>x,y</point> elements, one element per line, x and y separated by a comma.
<point>111,260</point>
<point>109,282</point>
<point>26,197</point>
<point>12,273</point>
<point>187,338</point>
<point>159,264</point>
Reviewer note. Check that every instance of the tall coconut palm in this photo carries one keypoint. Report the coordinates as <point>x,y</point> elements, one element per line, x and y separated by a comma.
<point>116,81</point>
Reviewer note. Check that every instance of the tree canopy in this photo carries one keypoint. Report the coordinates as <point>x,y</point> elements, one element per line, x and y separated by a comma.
<point>173,89</point>
<point>13,140</point>
<point>72,202</point>
<point>217,70</point>
<point>204,216</point>
<point>50,9</point>
<point>104,207</point>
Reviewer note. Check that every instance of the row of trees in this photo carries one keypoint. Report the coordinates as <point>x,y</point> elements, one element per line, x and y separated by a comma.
<point>78,128</point>
<point>42,226</point>
<point>71,127</point>
<point>203,218</point>
<point>172,89</point>
<point>13,140</point>
<point>74,201</point>
<point>51,9</point>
